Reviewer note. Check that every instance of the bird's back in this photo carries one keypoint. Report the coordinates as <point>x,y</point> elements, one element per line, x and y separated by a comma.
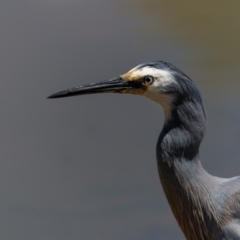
<point>227,199</point>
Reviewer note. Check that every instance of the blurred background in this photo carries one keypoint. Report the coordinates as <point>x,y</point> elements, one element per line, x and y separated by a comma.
<point>85,167</point>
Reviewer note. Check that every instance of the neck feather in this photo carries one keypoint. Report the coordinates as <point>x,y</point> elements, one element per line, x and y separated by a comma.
<point>182,132</point>
<point>181,174</point>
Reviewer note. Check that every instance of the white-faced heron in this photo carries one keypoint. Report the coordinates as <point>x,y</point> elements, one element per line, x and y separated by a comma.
<point>206,207</point>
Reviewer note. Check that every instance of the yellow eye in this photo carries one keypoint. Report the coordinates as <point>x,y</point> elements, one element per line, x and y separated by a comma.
<point>148,80</point>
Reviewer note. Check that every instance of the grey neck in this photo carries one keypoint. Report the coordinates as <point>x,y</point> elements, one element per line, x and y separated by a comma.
<point>186,184</point>
<point>182,132</point>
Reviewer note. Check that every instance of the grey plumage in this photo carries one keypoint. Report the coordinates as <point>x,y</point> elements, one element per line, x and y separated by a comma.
<point>206,207</point>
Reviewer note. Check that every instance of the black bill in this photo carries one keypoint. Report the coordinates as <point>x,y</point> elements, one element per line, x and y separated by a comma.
<point>114,85</point>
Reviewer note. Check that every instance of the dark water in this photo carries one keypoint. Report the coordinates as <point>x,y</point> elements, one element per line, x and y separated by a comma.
<point>84,167</point>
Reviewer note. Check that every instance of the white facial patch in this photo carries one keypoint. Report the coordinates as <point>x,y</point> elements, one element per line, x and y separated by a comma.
<point>162,76</point>
<point>154,91</point>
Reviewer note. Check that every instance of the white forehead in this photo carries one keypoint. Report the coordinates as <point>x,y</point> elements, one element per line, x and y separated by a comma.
<point>162,75</point>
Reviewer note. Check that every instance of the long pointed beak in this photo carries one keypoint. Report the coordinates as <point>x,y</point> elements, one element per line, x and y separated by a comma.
<point>114,85</point>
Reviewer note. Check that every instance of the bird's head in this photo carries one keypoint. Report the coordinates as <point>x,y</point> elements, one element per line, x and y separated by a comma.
<point>158,81</point>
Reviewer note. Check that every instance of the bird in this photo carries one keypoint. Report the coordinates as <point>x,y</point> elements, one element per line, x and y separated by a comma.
<point>206,207</point>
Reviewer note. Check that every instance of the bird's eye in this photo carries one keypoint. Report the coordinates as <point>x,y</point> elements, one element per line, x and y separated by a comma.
<point>148,80</point>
